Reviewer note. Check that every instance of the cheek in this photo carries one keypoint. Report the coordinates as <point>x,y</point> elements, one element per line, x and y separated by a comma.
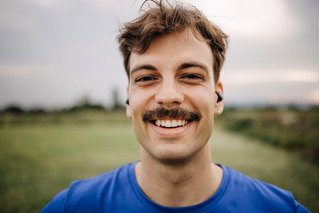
<point>203,99</point>
<point>135,98</point>
<point>139,100</point>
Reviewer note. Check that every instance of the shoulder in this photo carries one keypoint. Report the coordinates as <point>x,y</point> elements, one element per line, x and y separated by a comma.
<point>93,192</point>
<point>257,194</point>
<point>95,184</point>
<point>56,204</point>
<point>242,181</point>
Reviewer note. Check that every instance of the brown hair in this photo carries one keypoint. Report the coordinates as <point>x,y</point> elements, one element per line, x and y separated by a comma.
<point>137,35</point>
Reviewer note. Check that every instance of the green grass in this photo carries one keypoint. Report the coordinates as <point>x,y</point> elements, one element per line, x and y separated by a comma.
<point>268,163</point>
<point>292,129</point>
<point>37,161</point>
<point>40,157</point>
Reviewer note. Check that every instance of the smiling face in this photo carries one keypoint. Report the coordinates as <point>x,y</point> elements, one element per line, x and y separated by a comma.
<point>172,97</point>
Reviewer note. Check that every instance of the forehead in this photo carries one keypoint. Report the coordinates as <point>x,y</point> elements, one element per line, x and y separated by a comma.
<point>174,49</point>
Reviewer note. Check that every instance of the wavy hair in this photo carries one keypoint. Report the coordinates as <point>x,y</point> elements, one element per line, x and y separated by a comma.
<point>165,18</point>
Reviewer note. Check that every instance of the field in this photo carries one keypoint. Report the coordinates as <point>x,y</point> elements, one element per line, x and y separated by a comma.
<point>41,154</point>
<point>293,129</point>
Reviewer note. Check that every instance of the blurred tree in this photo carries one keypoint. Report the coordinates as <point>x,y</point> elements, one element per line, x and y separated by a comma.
<point>13,109</point>
<point>116,103</point>
<point>84,104</point>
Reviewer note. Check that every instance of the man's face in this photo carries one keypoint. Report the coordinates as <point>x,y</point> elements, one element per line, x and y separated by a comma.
<point>172,96</point>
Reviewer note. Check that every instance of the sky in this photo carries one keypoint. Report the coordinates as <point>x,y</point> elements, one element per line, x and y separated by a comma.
<point>54,53</point>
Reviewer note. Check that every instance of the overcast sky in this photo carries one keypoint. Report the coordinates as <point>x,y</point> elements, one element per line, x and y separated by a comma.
<point>54,52</point>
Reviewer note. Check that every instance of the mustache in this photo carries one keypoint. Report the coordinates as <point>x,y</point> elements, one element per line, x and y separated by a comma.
<point>161,112</point>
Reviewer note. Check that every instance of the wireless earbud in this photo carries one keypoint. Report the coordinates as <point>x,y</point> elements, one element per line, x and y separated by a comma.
<point>127,102</point>
<point>220,97</point>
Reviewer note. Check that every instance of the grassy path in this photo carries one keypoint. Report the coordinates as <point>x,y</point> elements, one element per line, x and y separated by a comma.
<point>37,161</point>
<point>269,164</point>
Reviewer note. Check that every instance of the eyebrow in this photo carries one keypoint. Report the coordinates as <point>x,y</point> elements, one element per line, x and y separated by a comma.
<point>142,67</point>
<point>184,65</point>
<point>193,64</point>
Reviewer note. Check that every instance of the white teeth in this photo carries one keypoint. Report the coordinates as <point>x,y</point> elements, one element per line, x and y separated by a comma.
<point>167,124</point>
<point>174,123</point>
<point>170,123</point>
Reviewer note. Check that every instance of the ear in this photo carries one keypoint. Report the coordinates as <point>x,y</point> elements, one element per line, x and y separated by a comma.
<point>218,107</point>
<point>128,108</point>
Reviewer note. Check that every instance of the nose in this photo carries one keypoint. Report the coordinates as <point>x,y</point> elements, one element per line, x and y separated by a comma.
<point>169,94</point>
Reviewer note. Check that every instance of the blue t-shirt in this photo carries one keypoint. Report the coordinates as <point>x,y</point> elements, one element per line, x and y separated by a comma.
<point>118,191</point>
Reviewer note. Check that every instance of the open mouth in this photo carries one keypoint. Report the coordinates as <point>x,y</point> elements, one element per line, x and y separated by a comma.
<point>170,119</point>
<point>170,123</point>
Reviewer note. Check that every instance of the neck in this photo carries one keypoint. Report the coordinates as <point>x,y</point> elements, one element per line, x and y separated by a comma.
<point>179,183</point>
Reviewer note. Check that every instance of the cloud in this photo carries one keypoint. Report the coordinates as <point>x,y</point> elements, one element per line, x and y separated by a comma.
<point>66,49</point>
<point>277,93</point>
<point>259,20</point>
<point>240,77</point>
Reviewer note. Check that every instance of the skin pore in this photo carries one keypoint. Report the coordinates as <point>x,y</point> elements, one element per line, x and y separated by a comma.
<point>176,72</point>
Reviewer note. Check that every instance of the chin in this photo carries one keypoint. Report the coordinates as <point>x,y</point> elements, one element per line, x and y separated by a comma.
<point>173,155</point>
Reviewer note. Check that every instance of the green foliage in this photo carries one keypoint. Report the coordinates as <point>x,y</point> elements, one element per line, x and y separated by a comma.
<point>82,105</point>
<point>14,109</point>
<point>292,129</point>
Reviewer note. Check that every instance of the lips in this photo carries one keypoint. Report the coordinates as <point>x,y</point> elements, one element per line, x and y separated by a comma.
<point>169,128</point>
<point>170,122</point>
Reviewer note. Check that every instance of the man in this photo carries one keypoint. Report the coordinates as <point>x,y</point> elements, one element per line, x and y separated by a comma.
<point>173,56</point>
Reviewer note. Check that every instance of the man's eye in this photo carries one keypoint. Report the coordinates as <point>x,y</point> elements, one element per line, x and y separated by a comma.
<point>145,78</point>
<point>192,76</point>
